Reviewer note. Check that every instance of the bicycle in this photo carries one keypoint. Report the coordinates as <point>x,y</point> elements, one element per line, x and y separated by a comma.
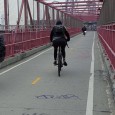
<point>60,63</point>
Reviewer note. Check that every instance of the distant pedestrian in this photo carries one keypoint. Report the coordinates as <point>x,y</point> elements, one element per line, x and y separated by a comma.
<point>84,30</point>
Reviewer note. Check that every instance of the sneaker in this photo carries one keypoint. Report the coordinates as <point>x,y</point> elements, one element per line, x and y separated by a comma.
<point>55,62</point>
<point>65,63</point>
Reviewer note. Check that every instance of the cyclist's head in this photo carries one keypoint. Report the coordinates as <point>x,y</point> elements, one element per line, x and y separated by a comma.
<point>59,22</point>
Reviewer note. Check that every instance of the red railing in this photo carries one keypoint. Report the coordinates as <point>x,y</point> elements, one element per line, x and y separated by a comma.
<point>106,35</point>
<point>23,40</point>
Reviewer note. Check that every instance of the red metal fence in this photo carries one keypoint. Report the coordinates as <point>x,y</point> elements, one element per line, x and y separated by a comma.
<point>22,40</point>
<point>29,26</point>
<point>106,29</point>
<point>106,35</point>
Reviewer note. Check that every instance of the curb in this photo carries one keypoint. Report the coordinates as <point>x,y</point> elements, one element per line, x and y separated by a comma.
<point>110,78</point>
<point>108,67</point>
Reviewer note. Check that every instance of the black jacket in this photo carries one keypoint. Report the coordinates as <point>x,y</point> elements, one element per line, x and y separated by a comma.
<point>64,35</point>
<point>84,28</point>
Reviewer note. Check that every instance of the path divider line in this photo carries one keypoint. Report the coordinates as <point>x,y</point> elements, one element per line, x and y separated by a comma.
<point>25,61</point>
<point>36,80</point>
<point>89,108</point>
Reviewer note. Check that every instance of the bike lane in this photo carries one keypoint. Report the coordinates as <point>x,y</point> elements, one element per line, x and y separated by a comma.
<point>32,86</point>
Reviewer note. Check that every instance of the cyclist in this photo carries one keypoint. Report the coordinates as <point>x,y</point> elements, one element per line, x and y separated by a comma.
<point>84,30</point>
<point>59,37</point>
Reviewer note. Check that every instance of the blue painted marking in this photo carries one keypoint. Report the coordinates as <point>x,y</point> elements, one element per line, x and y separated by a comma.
<point>67,96</point>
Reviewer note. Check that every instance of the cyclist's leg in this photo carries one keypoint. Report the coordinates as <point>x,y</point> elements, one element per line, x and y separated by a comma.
<point>55,52</point>
<point>55,45</point>
<point>63,51</point>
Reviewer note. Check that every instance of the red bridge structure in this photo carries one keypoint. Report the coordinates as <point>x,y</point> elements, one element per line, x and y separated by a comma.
<point>28,25</point>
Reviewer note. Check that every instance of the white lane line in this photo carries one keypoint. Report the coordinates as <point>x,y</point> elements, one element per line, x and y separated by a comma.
<point>25,61</point>
<point>89,108</point>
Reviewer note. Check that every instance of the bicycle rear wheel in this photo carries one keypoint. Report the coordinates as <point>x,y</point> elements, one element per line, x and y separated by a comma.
<point>59,64</point>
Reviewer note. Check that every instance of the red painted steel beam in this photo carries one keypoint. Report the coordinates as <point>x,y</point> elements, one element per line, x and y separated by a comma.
<point>54,7</point>
<point>81,7</point>
<point>84,13</point>
<point>96,8</point>
<point>41,1</point>
<point>38,13</point>
<point>25,12</point>
<point>78,5</point>
<point>75,2</point>
<point>84,10</point>
<point>88,18</point>
<point>5,13</point>
<point>20,13</point>
<point>28,7</point>
<point>91,8</point>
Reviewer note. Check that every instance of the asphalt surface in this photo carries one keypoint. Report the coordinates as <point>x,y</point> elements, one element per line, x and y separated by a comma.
<point>32,86</point>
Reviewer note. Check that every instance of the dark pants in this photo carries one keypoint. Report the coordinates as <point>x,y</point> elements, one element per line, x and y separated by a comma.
<point>61,43</point>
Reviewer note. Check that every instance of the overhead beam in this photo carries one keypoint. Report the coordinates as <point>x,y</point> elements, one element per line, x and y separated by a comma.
<point>75,2</point>
<point>77,8</point>
<point>78,5</point>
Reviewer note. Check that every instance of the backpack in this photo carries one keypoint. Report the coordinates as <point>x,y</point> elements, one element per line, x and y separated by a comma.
<point>84,29</point>
<point>2,48</point>
<point>59,29</point>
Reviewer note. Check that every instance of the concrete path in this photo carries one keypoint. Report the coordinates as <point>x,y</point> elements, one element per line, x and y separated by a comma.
<point>32,86</point>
